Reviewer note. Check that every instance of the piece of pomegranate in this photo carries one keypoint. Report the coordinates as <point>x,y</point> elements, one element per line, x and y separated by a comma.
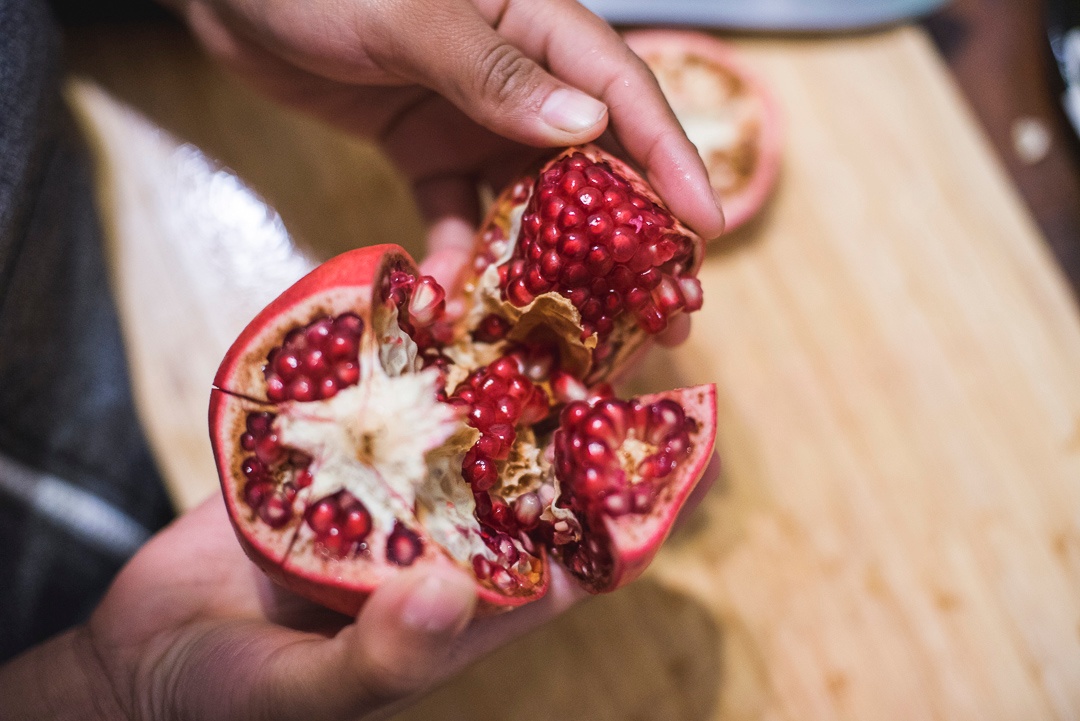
<point>357,430</point>
<point>726,111</point>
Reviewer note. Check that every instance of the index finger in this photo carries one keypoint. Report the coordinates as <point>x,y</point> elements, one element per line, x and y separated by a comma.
<point>583,50</point>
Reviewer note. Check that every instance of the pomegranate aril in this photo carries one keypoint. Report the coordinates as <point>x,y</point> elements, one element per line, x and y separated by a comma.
<point>428,301</point>
<point>303,479</point>
<point>479,472</point>
<point>322,516</point>
<point>301,389</point>
<point>502,516</point>
<point>650,318</point>
<point>403,545</point>
<point>357,524</point>
<point>481,567</point>
<point>482,416</point>
<point>286,364</point>
<point>328,388</point>
<point>527,510</point>
<point>275,388</point>
<point>314,362</point>
<point>504,433</point>
<point>618,503</point>
<point>642,497</point>
<point>518,294</point>
<point>253,469</point>
<point>665,417</point>
<point>268,450</point>
<point>667,296</point>
<point>492,328</point>
<point>692,293</point>
<point>567,388</point>
<point>503,580</point>
<point>257,492</point>
<point>658,465</point>
<point>275,511</point>
<point>573,246</point>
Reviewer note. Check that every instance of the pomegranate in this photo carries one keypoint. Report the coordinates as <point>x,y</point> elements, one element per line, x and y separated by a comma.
<point>358,429</point>
<point>726,111</point>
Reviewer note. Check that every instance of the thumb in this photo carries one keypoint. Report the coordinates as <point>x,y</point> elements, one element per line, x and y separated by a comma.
<point>405,632</point>
<point>399,645</point>
<point>495,83</point>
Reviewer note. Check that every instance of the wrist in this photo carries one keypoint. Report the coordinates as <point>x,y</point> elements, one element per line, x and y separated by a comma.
<point>60,679</point>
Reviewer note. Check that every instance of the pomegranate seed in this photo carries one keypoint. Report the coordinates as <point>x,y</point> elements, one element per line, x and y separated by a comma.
<point>256,493</point>
<point>642,496</point>
<point>651,318</point>
<point>527,510</point>
<point>275,512</point>
<point>618,503</point>
<point>567,388</point>
<point>502,516</point>
<point>481,567</point>
<point>322,516</point>
<point>357,524</point>
<point>403,546</point>
<point>301,389</point>
<point>275,387</point>
<point>480,473</point>
<point>691,291</point>
<point>503,580</point>
<point>428,301</point>
<point>492,328</point>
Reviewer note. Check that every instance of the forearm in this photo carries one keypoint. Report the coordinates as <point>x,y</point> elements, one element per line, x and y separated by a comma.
<point>58,680</point>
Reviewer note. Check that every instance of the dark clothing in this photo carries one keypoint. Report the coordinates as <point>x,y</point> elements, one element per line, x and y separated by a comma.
<point>78,488</point>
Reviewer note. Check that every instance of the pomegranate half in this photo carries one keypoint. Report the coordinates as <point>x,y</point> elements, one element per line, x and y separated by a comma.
<point>726,111</point>
<point>358,429</point>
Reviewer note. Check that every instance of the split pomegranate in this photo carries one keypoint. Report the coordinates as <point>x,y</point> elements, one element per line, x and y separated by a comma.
<point>726,111</point>
<point>359,430</point>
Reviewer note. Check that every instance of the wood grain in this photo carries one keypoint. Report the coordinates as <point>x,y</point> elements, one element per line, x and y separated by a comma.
<point>895,533</point>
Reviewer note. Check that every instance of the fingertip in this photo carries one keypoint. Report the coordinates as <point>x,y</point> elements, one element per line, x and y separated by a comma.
<point>440,603</point>
<point>446,264</point>
<point>404,636</point>
<point>678,330</point>
<point>683,183</point>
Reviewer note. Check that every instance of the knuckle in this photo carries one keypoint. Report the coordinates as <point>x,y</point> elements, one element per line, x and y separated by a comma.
<point>506,76</point>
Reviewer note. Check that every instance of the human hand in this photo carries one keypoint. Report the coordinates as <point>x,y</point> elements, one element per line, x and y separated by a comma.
<point>455,91</point>
<point>192,629</point>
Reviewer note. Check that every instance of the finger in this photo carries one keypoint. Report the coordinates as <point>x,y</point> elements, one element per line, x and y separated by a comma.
<point>457,53</point>
<point>452,209</point>
<point>678,330</point>
<point>398,646</point>
<point>580,48</point>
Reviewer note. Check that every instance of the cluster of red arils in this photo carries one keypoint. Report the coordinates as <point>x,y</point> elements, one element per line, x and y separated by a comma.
<point>589,235</point>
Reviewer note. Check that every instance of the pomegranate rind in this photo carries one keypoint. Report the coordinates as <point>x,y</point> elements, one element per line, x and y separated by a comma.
<point>681,47</point>
<point>635,538</point>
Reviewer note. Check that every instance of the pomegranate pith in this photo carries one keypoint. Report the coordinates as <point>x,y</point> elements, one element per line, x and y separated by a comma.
<point>485,442</point>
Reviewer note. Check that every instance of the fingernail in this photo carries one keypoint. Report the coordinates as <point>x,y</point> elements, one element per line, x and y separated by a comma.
<point>571,111</point>
<point>438,605</point>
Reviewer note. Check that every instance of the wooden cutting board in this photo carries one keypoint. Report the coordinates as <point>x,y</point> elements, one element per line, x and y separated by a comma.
<point>896,533</point>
